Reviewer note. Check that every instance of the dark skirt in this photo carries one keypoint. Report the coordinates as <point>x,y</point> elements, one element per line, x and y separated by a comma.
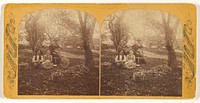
<point>140,60</point>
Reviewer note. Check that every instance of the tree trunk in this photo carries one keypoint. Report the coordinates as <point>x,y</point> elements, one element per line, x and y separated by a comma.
<point>171,56</point>
<point>169,41</point>
<point>92,27</point>
<point>89,61</point>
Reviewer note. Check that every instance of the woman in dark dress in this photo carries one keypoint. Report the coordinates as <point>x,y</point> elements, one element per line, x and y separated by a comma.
<point>54,48</point>
<point>138,52</point>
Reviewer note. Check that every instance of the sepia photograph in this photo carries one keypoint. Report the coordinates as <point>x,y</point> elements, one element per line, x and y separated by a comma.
<point>99,51</point>
<point>141,54</point>
<point>58,53</point>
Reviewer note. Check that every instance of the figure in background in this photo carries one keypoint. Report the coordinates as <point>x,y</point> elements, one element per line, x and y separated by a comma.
<point>55,52</point>
<point>138,52</point>
<point>126,50</point>
<point>38,45</point>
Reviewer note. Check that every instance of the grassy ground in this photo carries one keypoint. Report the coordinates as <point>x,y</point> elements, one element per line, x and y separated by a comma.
<point>76,79</point>
<point>149,79</point>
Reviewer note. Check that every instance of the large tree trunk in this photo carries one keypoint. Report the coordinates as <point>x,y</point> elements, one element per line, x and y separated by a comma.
<point>171,56</point>
<point>89,61</point>
<point>116,30</point>
<point>110,25</point>
<point>172,62</point>
<point>32,29</point>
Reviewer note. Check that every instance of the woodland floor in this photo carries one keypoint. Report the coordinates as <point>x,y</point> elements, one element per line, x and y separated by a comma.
<point>73,80</point>
<point>78,80</point>
<point>150,79</point>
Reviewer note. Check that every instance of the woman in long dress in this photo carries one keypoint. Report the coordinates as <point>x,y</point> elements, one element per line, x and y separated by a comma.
<point>138,52</point>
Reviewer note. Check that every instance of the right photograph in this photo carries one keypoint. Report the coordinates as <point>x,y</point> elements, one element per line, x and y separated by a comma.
<point>141,54</point>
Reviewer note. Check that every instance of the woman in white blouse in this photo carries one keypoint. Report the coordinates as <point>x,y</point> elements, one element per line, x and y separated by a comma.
<point>37,59</point>
<point>120,59</point>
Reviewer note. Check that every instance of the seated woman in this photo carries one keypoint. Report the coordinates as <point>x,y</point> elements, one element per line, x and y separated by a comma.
<point>139,56</point>
<point>138,52</point>
<point>47,64</point>
<point>37,59</point>
<point>120,59</point>
<point>130,63</point>
<point>55,52</point>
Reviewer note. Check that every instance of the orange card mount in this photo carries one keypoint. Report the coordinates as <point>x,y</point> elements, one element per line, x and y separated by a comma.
<point>99,51</point>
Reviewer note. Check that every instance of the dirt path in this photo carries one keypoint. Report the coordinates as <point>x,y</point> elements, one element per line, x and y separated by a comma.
<point>153,55</point>
<point>158,56</point>
<point>74,56</point>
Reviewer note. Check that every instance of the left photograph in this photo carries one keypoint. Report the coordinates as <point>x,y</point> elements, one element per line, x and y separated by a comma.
<point>58,53</point>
